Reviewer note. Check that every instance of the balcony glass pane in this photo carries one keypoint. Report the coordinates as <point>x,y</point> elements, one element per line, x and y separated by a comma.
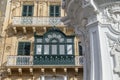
<point>39,49</point>
<point>46,49</point>
<point>69,49</point>
<point>24,13</point>
<point>54,10</point>
<point>57,11</point>
<point>54,49</point>
<point>62,49</point>
<point>39,40</point>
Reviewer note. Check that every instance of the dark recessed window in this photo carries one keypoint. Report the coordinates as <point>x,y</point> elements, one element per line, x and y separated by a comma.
<point>27,10</point>
<point>24,48</point>
<point>54,10</point>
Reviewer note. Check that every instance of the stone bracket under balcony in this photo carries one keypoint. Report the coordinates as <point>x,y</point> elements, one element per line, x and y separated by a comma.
<point>49,70</point>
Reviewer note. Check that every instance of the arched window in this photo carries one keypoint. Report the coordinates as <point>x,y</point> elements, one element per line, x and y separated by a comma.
<point>54,42</point>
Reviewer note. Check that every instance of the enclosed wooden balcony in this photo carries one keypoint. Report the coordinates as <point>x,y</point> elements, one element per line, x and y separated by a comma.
<point>44,60</point>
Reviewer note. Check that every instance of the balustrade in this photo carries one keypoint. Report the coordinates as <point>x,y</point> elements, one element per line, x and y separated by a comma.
<point>41,60</point>
<point>37,21</point>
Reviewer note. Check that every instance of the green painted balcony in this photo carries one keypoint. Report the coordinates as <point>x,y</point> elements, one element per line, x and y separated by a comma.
<point>45,60</point>
<point>54,60</point>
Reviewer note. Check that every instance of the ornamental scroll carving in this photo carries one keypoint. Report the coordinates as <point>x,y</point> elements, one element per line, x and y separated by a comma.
<point>114,44</point>
<point>111,15</point>
<point>115,52</point>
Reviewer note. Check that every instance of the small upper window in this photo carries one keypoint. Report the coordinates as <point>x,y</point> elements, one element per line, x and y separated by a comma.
<point>27,10</point>
<point>54,10</point>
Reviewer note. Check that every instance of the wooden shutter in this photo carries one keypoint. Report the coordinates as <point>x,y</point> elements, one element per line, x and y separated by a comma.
<point>54,10</point>
<point>51,12</point>
<point>57,11</point>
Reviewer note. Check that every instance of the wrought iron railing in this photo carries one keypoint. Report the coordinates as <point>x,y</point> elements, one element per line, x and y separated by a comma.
<point>37,21</point>
<point>41,60</point>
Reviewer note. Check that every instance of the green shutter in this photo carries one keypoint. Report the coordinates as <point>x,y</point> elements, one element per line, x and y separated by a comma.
<point>27,10</point>
<point>30,10</point>
<point>51,12</point>
<point>27,48</point>
<point>54,10</point>
<point>57,9</point>
<point>20,48</point>
<point>24,12</point>
<point>24,48</point>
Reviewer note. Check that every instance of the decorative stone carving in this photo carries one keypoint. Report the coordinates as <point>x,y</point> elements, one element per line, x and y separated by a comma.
<point>53,35</point>
<point>116,53</point>
<point>114,44</point>
<point>111,15</point>
<point>85,3</point>
<point>8,47</point>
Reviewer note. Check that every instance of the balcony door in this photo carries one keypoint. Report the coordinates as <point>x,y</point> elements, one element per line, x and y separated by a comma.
<point>27,10</point>
<point>54,11</point>
<point>23,52</point>
<point>27,14</point>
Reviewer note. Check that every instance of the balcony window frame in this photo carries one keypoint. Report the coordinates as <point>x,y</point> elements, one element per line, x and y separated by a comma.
<point>54,13</point>
<point>27,13</point>
<point>23,43</point>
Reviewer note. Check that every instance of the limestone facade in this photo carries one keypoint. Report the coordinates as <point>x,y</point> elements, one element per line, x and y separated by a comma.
<point>36,45</point>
